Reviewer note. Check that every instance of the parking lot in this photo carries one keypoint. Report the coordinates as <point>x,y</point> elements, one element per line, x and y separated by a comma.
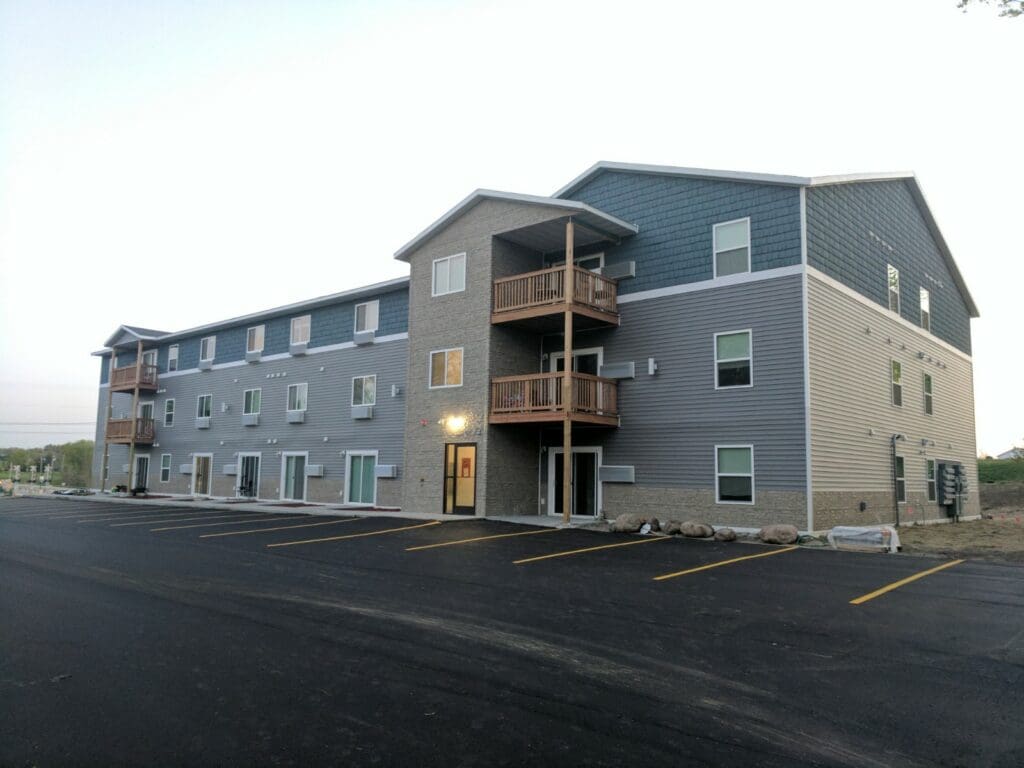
<point>135,634</point>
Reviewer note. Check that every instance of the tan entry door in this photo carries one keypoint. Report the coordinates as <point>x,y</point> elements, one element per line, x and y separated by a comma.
<point>201,470</point>
<point>460,479</point>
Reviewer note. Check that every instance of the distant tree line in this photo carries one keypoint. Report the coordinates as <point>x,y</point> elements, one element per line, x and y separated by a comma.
<point>71,462</point>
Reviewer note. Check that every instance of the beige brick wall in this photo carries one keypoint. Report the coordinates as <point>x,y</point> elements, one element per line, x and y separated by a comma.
<point>699,504</point>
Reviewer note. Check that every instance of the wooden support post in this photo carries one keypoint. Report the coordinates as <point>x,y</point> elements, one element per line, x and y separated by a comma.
<point>567,376</point>
<point>110,411</point>
<point>135,417</point>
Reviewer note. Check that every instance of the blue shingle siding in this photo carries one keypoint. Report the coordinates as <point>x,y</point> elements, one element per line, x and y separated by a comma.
<point>855,230</point>
<point>676,215</point>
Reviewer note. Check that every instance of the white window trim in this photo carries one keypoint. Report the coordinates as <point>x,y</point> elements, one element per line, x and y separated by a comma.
<point>898,477</point>
<point>433,272</point>
<point>926,395</point>
<point>933,483</point>
<point>284,464</point>
<point>365,376</point>
<point>893,384</point>
<point>288,397</point>
<point>714,246</point>
<point>263,337</point>
<point>199,399</point>
<point>291,329</point>
<point>209,480</point>
<point>922,312</point>
<point>170,463</point>
<point>556,356</point>
<point>348,474</point>
<point>430,367</point>
<point>212,348</point>
<point>355,316</point>
<point>714,352</point>
<point>150,354</point>
<point>753,484</point>
<point>149,469</point>
<point>152,408</point>
<point>244,393</point>
<point>554,456</point>
<point>889,290</point>
<point>173,348</point>
<point>174,412</point>
<point>259,471</point>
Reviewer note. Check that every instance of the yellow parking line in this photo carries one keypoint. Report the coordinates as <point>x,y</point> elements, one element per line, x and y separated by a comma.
<point>720,563</point>
<point>210,525</point>
<point>901,582</point>
<point>356,535</point>
<point>481,538</point>
<point>281,528</point>
<point>108,518</point>
<point>180,520</point>
<point>589,549</point>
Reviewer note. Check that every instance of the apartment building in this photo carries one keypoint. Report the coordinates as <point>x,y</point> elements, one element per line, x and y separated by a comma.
<point>742,348</point>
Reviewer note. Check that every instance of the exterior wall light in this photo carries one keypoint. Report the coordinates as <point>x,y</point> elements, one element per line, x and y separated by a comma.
<point>455,424</point>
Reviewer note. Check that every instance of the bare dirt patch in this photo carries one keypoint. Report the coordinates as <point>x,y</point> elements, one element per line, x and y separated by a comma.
<point>999,538</point>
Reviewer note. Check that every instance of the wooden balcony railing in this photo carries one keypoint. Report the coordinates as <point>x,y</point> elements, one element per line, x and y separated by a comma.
<point>120,430</point>
<point>124,378</point>
<point>546,288</point>
<point>538,397</point>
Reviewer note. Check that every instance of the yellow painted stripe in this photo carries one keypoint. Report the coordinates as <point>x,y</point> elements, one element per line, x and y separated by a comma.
<point>590,549</point>
<point>108,518</point>
<point>281,528</point>
<point>238,521</point>
<point>720,563</point>
<point>481,538</point>
<point>356,535</point>
<point>902,582</point>
<point>181,520</point>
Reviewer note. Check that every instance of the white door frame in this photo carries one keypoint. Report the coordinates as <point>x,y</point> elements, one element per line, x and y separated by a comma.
<point>559,452</point>
<point>348,473</point>
<point>209,477</point>
<point>238,471</point>
<point>149,467</point>
<point>152,409</point>
<point>284,464</point>
<point>556,356</point>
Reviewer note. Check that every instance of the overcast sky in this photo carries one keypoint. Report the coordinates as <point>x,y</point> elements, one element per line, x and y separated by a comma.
<point>168,164</point>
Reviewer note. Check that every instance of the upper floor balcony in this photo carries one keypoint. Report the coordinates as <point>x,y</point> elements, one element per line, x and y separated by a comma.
<point>542,293</point>
<point>539,397</point>
<point>124,379</point>
<point>120,431</point>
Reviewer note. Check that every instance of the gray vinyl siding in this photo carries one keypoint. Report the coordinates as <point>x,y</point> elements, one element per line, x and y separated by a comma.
<point>851,345</point>
<point>855,230</point>
<point>675,217</point>
<point>328,431</point>
<point>670,422</point>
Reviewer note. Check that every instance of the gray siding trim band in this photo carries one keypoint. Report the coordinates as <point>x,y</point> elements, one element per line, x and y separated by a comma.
<point>705,285</point>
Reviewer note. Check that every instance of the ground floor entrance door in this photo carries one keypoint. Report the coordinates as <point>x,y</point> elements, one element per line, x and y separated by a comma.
<point>141,478</point>
<point>248,476</point>
<point>202,466</point>
<point>460,479</point>
<point>584,485</point>
<point>294,487</point>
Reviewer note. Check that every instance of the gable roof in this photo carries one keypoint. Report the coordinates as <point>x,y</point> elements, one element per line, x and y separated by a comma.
<point>587,215</point>
<point>792,181</point>
<point>140,334</point>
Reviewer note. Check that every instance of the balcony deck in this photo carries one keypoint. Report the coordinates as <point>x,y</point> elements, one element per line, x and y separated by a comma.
<point>541,294</point>
<point>123,379</point>
<point>120,431</point>
<point>537,398</point>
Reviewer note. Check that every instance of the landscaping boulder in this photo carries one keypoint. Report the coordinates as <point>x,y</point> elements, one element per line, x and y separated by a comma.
<point>671,527</point>
<point>628,523</point>
<point>725,534</point>
<point>779,534</point>
<point>655,524</point>
<point>696,530</point>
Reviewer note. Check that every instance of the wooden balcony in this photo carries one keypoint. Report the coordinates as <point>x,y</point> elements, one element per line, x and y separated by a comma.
<point>120,431</point>
<point>541,294</point>
<point>123,379</point>
<point>537,398</point>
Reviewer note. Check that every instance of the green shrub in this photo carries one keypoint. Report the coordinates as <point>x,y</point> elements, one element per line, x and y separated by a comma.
<point>1001,470</point>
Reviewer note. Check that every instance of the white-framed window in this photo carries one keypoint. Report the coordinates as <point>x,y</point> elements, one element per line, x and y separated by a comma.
<point>896,379</point>
<point>894,289</point>
<point>204,406</point>
<point>446,368</point>
<point>207,348</point>
<point>364,390</point>
<point>300,330</point>
<point>449,275</point>
<point>251,401</point>
<point>592,262</point>
<point>149,357</point>
<point>165,467</point>
<point>361,477</point>
<point>734,360</point>
<point>254,338</point>
<point>927,384</point>
<point>297,396</point>
<point>169,412</point>
<point>367,316</point>
<point>930,478</point>
<point>926,309</point>
<point>901,481</point>
<point>731,247</point>
<point>172,357</point>
<point>734,474</point>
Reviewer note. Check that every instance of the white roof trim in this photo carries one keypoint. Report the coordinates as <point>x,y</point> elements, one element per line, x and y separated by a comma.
<point>468,202</point>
